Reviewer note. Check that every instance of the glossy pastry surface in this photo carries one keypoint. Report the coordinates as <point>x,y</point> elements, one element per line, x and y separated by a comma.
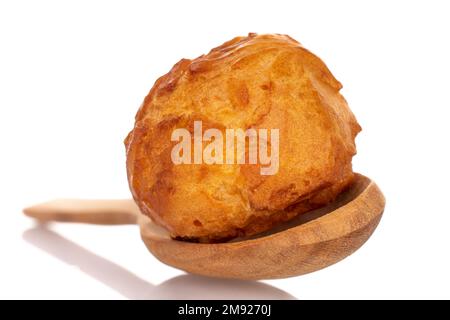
<point>254,82</point>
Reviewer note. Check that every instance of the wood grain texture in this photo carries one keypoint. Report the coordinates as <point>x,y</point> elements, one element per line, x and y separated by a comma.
<point>312,242</point>
<point>109,212</point>
<point>308,243</point>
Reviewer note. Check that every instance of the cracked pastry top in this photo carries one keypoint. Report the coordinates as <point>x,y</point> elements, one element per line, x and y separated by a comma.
<point>259,81</point>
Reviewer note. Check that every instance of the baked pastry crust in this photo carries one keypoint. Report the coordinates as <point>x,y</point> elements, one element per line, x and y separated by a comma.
<point>258,81</point>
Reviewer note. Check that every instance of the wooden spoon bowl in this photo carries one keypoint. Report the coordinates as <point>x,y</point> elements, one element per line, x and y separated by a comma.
<point>310,242</point>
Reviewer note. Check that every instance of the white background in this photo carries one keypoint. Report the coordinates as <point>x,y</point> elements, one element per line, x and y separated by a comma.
<point>73,74</point>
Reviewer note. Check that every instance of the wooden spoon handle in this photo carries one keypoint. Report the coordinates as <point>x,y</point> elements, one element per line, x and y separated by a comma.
<point>109,212</point>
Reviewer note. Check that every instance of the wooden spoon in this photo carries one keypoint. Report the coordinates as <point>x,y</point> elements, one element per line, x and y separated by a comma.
<point>308,243</point>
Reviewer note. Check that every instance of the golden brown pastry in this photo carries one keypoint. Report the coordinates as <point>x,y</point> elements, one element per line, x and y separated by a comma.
<point>258,81</point>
